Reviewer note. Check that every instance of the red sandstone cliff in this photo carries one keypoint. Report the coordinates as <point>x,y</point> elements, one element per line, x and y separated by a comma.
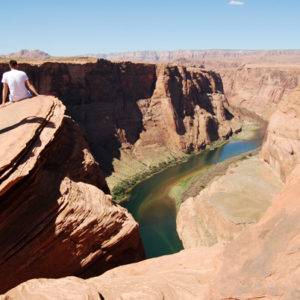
<point>138,114</point>
<point>56,218</point>
<point>281,148</point>
<point>262,263</point>
<point>259,88</point>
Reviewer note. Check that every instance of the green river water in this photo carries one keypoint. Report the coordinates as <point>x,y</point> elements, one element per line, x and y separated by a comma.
<point>155,211</point>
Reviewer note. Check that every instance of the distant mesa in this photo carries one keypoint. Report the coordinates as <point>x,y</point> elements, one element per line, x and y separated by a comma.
<point>209,58</point>
<point>24,53</point>
<point>206,56</point>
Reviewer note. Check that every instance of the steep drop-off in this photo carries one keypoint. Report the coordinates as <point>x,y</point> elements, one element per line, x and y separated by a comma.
<point>56,218</point>
<point>262,263</point>
<point>138,115</point>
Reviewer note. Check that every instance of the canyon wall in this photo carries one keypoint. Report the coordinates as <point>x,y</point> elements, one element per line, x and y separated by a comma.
<point>281,148</point>
<point>255,79</point>
<point>138,115</point>
<point>56,216</point>
<point>260,87</point>
<point>261,263</point>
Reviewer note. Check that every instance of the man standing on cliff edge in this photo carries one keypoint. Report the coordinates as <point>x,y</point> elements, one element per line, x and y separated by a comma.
<point>18,84</point>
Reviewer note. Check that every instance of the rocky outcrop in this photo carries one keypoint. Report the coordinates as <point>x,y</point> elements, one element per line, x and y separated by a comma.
<point>281,148</point>
<point>184,275</point>
<point>138,115</point>
<point>56,216</point>
<point>229,205</point>
<point>262,263</point>
<point>259,88</point>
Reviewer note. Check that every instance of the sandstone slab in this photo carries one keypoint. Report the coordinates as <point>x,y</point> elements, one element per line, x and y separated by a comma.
<point>56,216</point>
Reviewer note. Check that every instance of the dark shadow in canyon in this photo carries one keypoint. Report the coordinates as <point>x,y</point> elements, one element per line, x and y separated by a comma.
<point>102,97</point>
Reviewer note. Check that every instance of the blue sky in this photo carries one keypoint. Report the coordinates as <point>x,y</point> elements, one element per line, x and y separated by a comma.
<point>65,27</point>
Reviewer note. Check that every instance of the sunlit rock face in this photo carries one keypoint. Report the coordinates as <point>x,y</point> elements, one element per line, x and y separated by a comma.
<point>259,87</point>
<point>263,262</point>
<point>56,215</point>
<point>281,148</point>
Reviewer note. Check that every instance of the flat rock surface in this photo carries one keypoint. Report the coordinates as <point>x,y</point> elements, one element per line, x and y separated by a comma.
<point>20,122</point>
<point>228,205</point>
<point>25,128</point>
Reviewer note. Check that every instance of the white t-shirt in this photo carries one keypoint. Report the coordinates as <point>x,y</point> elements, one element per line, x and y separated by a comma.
<point>15,80</point>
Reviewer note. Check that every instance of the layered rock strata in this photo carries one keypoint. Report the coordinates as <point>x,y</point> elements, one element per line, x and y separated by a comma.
<point>281,148</point>
<point>259,87</point>
<point>207,56</point>
<point>261,263</point>
<point>56,218</point>
<point>138,115</point>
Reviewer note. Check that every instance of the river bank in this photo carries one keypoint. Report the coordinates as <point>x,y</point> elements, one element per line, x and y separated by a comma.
<point>253,126</point>
<point>229,204</point>
<point>155,211</point>
<point>122,190</point>
<point>193,185</point>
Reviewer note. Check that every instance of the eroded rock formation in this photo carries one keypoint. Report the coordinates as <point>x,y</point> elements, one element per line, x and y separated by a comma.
<point>281,147</point>
<point>56,218</point>
<point>138,115</point>
<point>262,263</point>
<point>260,87</point>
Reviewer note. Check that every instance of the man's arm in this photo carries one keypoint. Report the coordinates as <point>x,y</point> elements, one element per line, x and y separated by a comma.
<point>31,87</point>
<point>4,92</point>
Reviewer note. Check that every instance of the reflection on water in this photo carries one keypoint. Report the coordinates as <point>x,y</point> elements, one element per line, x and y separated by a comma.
<point>155,211</point>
